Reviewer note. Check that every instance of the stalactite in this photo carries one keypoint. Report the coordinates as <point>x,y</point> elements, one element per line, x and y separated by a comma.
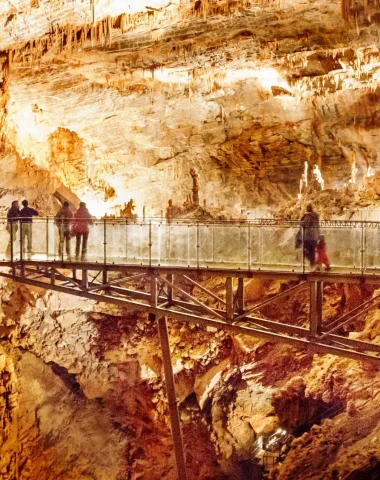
<point>4,95</point>
<point>345,9</point>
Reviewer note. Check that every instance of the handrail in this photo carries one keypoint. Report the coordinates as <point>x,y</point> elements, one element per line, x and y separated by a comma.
<point>209,222</point>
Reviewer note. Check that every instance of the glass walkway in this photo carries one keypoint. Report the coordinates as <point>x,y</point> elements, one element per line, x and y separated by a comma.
<point>256,245</point>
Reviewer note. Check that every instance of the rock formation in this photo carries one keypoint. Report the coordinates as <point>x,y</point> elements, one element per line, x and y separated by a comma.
<point>105,101</point>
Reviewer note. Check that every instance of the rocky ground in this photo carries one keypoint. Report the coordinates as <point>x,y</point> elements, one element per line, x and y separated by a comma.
<point>83,396</point>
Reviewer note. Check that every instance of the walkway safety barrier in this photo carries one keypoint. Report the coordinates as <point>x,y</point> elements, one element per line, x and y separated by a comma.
<point>259,244</point>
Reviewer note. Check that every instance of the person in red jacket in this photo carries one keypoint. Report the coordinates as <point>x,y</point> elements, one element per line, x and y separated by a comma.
<point>82,219</point>
<point>321,252</point>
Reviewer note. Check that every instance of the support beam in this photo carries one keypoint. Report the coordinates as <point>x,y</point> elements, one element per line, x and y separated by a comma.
<point>172,399</point>
<point>229,300</point>
<point>170,278</point>
<point>312,344</point>
<point>316,300</point>
<point>274,299</point>
<point>197,302</point>
<point>153,290</point>
<point>351,315</point>
<point>84,282</point>
<point>240,296</point>
<point>205,290</point>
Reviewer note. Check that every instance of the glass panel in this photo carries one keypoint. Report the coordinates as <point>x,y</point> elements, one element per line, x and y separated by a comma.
<point>144,243</point>
<point>176,244</point>
<point>95,244</point>
<point>371,247</point>
<point>4,240</point>
<point>137,239</point>
<point>223,245</point>
<point>277,247</point>
<point>255,244</point>
<point>343,245</point>
<point>32,238</point>
<point>116,248</point>
<point>206,244</point>
<point>156,240</point>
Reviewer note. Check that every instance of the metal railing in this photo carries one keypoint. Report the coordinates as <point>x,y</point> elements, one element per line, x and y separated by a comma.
<point>258,244</point>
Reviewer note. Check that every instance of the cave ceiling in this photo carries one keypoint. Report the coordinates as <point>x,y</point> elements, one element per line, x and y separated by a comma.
<point>125,94</point>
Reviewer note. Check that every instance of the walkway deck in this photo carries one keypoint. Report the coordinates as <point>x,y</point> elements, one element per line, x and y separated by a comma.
<point>122,256</point>
<point>167,256</point>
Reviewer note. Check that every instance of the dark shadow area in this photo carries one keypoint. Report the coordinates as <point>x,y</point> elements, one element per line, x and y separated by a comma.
<point>67,378</point>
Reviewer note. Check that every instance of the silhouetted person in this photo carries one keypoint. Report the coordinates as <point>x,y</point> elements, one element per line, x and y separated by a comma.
<point>310,224</point>
<point>63,220</point>
<point>82,219</point>
<point>13,217</point>
<point>26,215</point>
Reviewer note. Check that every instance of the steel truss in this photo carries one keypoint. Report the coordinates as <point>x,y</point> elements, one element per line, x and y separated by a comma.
<point>168,292</point>
<point>175,293</point>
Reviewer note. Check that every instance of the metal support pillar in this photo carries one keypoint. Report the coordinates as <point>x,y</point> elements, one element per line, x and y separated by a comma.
<point>240,296</point>
<point>170,277</point>
<point>172,399</point>
<point>84,278</point>
<point>229,300</point>
<point>153,291</point>
<point>316,300</point>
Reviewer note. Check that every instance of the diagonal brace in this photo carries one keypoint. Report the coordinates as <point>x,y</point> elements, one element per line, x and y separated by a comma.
<point>271,300</point>
<point>203,289</point>
<point>205,307</point>
<point>350,316</point>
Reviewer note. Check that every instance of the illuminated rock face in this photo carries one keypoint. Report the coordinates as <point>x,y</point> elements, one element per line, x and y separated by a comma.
<point>244,91</point>
<point>105,102</point>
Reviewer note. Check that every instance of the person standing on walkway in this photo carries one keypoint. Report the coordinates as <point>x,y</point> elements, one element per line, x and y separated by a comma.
<point>63,220</point>
<point>310,225</point>
<point>26,215</point>
<point>82,219</point>
<point>13,217</point>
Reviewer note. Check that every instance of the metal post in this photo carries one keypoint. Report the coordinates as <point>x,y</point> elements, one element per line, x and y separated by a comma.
<point>47,238</point>
<point>170,277</point>
<point>229,300</point>
<point>141,241</point>
<point>316,301</point>
<point>105,240</point>
<point>213,243</point>
<point>249,241</point>
<point>240,296</point>
<point>150,243</point>
<point>84,278</point>
<point>52,276</point>
<point>303,248</point>
<point>188,246</point>
<point>153,290</point>
<point>126,239</point>
<point>21,242</point>
<point>362,249</point>
<point>172,399</point>
<point>197,245</point>
<point>12,252</point>
<point>63,239</point>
